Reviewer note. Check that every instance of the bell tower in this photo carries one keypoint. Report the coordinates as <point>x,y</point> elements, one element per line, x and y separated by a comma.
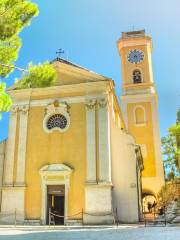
<point>140,105</point>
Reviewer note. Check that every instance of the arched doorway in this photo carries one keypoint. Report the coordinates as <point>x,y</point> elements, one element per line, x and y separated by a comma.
<point>149,201</point>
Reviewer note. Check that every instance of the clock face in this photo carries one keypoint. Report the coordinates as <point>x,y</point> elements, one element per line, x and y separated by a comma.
<point>135,56</point>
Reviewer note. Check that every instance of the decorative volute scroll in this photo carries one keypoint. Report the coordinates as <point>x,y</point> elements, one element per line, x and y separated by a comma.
<point>21,108</point>
<point>102,103</point>
<point>56,117</point>
<point>14,109</point>
<point>24,109</point>
<point>90,104</point>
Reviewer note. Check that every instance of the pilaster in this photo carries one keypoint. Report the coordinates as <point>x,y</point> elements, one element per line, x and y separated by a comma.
<point>22,145</point>
<point>104,142</point>
<point>10,148</point>
<point>91,140</point>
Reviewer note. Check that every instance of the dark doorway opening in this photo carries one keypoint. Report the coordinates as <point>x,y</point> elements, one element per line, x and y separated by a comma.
<point>55,204</point>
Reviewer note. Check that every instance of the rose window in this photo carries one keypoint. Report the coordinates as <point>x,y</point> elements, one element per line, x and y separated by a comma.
<point>57,121</point>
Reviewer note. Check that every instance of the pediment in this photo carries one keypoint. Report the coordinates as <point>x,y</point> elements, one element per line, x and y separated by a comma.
<point>55,168</point>
<point>69,73</point>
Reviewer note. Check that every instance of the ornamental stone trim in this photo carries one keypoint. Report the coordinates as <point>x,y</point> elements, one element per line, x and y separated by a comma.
<point>91,104</point>
<point>14,109</point>
<point>102,103</point>
<point>24,109</point>
<point>56,108</point>
<point>19,108</point>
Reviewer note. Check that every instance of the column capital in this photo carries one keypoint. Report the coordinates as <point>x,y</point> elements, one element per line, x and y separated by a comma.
<point>90,104</point>
<point>14,109</point>
<point>24,109</point>
<point>102,103</point>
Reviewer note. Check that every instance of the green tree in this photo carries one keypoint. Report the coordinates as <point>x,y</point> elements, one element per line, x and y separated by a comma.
<point>171,148</point>
<point>5,101</point>
<point>175,131</point>
<point>167,194</point>
<point>14,16</point>
<point>42,75</point>
<point>169,151</point>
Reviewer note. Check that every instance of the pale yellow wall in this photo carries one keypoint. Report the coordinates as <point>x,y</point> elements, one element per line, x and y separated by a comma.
<point>43,148</point>
<point>139,115</point>
<point>123,161</point>
<point>143,135</point>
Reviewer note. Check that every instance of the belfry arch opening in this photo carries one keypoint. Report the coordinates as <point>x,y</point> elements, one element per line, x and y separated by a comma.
<point>137,76</point>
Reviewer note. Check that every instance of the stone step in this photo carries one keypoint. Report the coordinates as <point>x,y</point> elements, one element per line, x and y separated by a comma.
<point>74,222</point>
<point>176,219</point>
<point>32,222</point>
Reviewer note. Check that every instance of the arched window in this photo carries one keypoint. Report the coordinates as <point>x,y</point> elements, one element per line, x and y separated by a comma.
<point>137,78</point>
<point>140,117</point>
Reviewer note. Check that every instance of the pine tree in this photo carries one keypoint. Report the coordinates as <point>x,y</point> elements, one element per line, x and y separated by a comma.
<point>14,16</point>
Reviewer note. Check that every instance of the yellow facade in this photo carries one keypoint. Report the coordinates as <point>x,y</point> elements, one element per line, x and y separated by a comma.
<point>54,149</point>
<point>143,135</point>
<point>43,148</point>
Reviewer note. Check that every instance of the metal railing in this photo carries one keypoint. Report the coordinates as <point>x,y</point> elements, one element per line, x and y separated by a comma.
<point>81,214</point>
<point>156,218</point>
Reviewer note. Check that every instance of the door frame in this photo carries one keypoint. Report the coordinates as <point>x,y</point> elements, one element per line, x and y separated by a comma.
<point>47,207</point>
<point>55,174</point>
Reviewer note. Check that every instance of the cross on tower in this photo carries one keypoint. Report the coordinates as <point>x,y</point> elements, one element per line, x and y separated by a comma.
<point>59,52</point>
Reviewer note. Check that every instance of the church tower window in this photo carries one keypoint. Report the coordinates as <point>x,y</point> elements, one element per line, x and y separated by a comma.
<point>137,78</point>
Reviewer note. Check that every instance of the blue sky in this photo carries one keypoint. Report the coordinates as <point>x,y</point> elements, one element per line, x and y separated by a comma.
<point>88,30</point>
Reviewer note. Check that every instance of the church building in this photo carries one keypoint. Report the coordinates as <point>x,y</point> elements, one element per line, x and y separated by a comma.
<point>72,156</point>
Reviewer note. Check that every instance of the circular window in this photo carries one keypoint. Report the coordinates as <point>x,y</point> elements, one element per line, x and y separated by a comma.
<point>57,121</point>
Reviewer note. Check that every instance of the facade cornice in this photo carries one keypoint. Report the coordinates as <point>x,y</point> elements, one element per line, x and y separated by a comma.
<point>81,89</point>
<point>136,96</point>
<point>139,85</point>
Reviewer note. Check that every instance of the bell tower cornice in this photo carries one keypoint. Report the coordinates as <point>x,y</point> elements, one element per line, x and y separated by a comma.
<point>133,39</point>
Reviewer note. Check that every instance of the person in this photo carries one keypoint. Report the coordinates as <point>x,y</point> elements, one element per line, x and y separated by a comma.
<point>161,211</point>
<point>149,206</point>
<point>154,204</point>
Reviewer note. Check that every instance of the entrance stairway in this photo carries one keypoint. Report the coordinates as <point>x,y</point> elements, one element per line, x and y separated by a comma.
<point>172,216</point>
<point>177,214</point>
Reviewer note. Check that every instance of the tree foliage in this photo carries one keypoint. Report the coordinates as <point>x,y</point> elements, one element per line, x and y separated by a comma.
<point>39,76</point>
<point>5,101</point>
<point>14,16</point>
<point>175,129</point>
<point>167,194</point>
<point>169,150</point>
<point>171,147</point>
<point>8,55</point>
